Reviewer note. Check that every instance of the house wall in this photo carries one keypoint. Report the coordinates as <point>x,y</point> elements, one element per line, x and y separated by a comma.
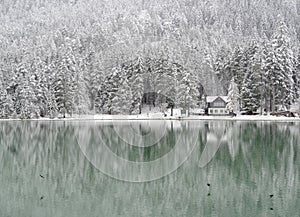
<point>217,107</point>
<point>218,111</point>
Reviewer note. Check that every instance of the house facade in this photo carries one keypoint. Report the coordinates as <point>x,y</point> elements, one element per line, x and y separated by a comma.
<point>216,105</point>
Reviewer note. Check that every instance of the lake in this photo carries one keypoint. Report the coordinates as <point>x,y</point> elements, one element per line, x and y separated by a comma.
<point>149,168</point>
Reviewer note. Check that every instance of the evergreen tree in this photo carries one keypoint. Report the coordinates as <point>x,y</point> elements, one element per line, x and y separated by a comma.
<point>26,100</point>
<point>252,87</point>
<point>137,85</point>
<point>122,101</point>
<point>173,84</point>
<point>238,65</point>
<point>81,104</point>
<point>52,104</point>
<point>6,103</point>
<point>279,69</point>
<point>186,91</point>
<point>109,89</point>
<point>297,79</point>
<point>222,67</point>
<point>48,81</point>
<point>64,86</point>
<point>233,98</point>
<point>94,80</point>
<point>39,84</point>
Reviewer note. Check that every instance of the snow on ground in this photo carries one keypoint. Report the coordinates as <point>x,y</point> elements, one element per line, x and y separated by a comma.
<point>160,116</point>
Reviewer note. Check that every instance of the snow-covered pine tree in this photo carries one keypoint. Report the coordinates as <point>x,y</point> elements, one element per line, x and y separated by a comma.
<point>279,68</point>
<point>52,104</point>
<point>94,79</point>
<point>76,52</point>
<point>26,98</point>
<point>222,67</point>
<point>170,85</point>
<point>233,98</point>
<point>48,80</point>
<point>238,65</point>
<point>25,101</point>
<point>122,101</point>
<point>186,91</point>
<point>156,77</point>
<point>164,83</point>
<point>109,89</point>
<point>137,85</point>
<point>297,72</point>
<point>81,104</point>
<point>252,88</point>
<point>6,103</point>
<point>64,85</point>
<point>39,84</point>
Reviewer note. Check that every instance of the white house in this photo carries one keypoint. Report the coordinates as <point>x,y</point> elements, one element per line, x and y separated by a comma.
<point>216,105</point>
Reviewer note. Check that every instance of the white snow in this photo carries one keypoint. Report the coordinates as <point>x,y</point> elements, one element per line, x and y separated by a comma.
<point>160,116</point>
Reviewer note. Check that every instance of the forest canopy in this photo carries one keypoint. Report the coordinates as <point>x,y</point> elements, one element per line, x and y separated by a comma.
<point>57,54</point>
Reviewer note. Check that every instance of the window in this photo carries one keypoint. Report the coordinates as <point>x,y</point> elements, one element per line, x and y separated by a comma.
<point>221,111</point>
<point>216,111</point>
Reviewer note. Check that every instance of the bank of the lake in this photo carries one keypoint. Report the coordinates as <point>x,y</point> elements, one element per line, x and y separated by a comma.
<point>161,117</point>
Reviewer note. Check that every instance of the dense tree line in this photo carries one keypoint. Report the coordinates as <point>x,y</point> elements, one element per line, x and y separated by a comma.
<point>265,72</point>
<point>75,56</point>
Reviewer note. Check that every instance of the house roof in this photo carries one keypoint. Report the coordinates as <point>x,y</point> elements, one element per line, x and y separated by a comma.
<point>210,99</point>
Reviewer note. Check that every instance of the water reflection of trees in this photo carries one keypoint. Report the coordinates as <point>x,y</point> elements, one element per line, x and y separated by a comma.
<point>253,159</point>
<point>258,158</point>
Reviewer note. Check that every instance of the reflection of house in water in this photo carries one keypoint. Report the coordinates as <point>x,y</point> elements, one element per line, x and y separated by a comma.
<point>216,105</point>
<point>218,133</point>
<point>215,136</point>
<point>217,127</point>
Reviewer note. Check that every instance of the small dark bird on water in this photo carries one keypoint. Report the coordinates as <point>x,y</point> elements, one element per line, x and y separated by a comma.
<point>42,197</point>
<point>42,176</point>
<point>271,208</point>
<point>208,189</point>
<point>271,195</point>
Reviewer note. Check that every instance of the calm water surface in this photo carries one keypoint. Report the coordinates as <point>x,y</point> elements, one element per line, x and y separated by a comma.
<point>244,162</point>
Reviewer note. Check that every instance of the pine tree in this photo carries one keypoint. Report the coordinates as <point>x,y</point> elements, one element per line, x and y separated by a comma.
<point>233,98</point>
<point>222,67</point>
<point>48,81</point>
<point>52,105</point>
<point>173,84</point>
<point>252,87</point>
<point>109,89</point>
<point>94,80</point>
<point>137,85</point>
<point>297,79</point>
<point>25,101</point>
<point>122,101</point>
<point>279,69</point>
<point>26,98</point>
<point>238,66</point>
<point>39,84</point>
<point>81,104</point>
<point>64,85</point>
<point>186,91</point>
<point>6,103</point>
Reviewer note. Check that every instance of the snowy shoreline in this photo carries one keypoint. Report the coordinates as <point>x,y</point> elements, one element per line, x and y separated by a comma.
<point>156,117</point>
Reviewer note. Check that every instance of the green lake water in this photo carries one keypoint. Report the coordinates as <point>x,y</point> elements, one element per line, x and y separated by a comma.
<point>149,168</point>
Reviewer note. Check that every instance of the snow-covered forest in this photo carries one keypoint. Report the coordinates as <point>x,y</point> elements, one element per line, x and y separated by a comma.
<point>85,56</point>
